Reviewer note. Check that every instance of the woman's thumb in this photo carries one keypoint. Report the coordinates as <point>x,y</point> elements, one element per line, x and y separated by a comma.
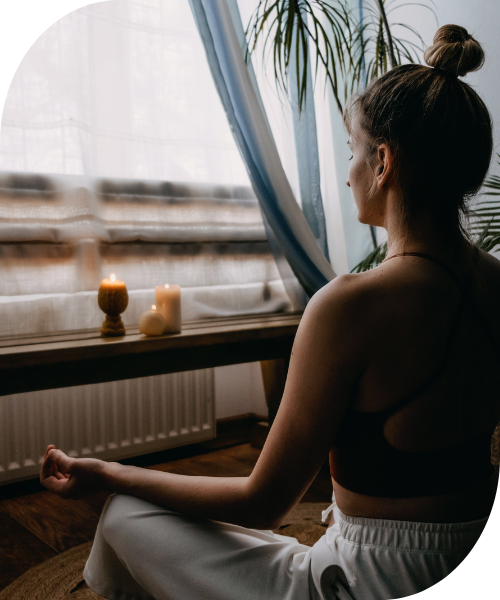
<point>61,459</point>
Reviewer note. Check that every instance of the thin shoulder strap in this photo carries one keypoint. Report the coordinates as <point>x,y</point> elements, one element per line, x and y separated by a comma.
<point>436,374</point>
<point>436,261</point>
<point>449,343</point>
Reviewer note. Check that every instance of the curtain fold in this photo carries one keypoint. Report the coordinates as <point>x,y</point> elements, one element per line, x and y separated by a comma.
<point>294,289</point>
<point>358,241</point>
<point>306,147</point>
<point>254,139</point>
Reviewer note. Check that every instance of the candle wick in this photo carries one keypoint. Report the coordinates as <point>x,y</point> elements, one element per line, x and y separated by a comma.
<point>153,307</point>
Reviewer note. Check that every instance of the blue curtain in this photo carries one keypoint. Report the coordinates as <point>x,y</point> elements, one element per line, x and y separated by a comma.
<point>237,89</point>
<point>306,148</point>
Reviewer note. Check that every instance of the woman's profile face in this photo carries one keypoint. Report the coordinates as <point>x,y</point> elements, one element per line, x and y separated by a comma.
<point>361,179</point>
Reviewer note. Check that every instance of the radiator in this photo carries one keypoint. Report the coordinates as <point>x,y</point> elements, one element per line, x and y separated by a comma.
<point>107,420</point>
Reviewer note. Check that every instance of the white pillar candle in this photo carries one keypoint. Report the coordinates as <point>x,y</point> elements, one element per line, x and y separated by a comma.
<point>168,303</point>
<point>151,322</point>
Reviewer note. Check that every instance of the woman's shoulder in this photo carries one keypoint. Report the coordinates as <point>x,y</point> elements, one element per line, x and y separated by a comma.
<point>353,302</point>
<point>386,296</point>
<point>357,290</point>
<point>346,293</point>
<point>406,289</point>
<point>339,307</point>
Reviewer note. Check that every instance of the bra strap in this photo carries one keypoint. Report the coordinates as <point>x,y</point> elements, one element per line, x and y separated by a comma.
<point>449,343</point>
<point>436,374</point>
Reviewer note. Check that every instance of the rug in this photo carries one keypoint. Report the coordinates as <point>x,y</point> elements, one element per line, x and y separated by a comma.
<point>61,577</point>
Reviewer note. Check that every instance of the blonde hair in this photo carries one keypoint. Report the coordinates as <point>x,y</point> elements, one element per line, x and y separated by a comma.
<point>454,51</point>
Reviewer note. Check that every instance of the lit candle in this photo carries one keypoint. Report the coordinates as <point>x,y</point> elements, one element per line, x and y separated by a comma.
<point>113,300</point>
<point>113,283</point>
<point>168,302</point>
<point>151,322</point>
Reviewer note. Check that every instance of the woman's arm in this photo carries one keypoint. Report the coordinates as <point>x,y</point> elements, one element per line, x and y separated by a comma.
<point>218,498</point>
<point>328,357</point>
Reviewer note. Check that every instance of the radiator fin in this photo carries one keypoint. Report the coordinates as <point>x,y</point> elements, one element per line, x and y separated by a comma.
<point>107,420</point>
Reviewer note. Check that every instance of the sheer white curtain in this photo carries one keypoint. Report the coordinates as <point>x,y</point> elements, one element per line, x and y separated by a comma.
<point>120,89</point>
<point>116,156</point>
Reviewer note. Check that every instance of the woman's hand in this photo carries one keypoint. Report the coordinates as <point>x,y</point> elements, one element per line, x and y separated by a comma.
<point>72,477</point>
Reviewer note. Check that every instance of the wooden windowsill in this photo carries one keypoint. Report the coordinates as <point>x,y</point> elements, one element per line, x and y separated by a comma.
<point>78,357</point>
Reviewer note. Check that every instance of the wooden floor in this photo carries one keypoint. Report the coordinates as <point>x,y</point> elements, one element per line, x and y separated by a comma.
<point>35,524</point>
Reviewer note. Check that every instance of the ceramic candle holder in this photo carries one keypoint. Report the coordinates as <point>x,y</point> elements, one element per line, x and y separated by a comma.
<point>113,300</point>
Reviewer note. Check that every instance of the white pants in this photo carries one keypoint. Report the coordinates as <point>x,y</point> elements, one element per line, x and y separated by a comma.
<point>144,552</point>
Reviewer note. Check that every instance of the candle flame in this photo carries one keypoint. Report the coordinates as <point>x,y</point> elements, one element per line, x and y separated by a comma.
<point>153,307</point>
<point>166,285</point>
<point>112,277</point>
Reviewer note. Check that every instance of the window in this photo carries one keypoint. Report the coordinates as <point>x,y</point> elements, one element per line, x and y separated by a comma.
<point>116,156</point>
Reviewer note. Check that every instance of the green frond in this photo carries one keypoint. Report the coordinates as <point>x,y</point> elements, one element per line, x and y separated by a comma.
<point>372,260</point>
<point>485,218</point>
<point>351,53</point>
<point>290,28</point>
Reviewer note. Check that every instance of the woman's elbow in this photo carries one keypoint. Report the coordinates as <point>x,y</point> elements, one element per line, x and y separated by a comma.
<point>275,523</point>
<point>265,510</point>
<point>262,520</point>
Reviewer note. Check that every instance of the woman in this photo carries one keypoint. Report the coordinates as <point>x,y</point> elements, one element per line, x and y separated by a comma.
<point>392,373</point>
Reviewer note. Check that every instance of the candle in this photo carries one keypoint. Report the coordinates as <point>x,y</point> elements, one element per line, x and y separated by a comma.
<point>113,300</point>
<point>151,322</point>
<point>168,302</point>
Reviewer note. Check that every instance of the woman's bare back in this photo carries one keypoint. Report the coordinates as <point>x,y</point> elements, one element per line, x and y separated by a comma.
<point>416,311</point>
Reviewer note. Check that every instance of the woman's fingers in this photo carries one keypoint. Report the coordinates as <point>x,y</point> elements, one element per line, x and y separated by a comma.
<point>61,460</point>
<point>55,471</point>
<point>70,477</point>
<point>49,447</point>
<point>49,476</point>
<point>46,469</point>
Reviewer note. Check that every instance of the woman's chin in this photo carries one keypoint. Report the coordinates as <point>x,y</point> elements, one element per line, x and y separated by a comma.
<point>367,220</point>
<point>367,217</point>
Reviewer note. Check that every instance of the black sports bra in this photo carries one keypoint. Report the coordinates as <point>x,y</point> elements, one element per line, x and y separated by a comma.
<point>363,461</point>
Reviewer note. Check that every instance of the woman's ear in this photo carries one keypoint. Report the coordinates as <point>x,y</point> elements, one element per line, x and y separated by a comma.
<point>384,168</point>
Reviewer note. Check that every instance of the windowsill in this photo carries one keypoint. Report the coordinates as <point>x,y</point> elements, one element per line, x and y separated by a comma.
<point>81,357</point>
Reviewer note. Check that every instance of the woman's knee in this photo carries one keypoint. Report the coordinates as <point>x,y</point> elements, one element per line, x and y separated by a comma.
<point>117,518</point>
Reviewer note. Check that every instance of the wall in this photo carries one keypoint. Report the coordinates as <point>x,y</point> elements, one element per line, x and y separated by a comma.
<point>239,390</point>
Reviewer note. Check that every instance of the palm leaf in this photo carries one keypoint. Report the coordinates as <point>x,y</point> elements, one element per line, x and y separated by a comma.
<point>380,46</point>
<point>351,52</point>
<point>372,260</point>
<point>287,27</point>
<point>485,219</point>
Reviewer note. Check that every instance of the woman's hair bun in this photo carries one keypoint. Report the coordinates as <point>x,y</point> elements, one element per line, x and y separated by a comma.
<point>454,51</point>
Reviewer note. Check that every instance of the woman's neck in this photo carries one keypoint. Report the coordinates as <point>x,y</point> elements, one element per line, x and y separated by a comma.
<point>424,235</point>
